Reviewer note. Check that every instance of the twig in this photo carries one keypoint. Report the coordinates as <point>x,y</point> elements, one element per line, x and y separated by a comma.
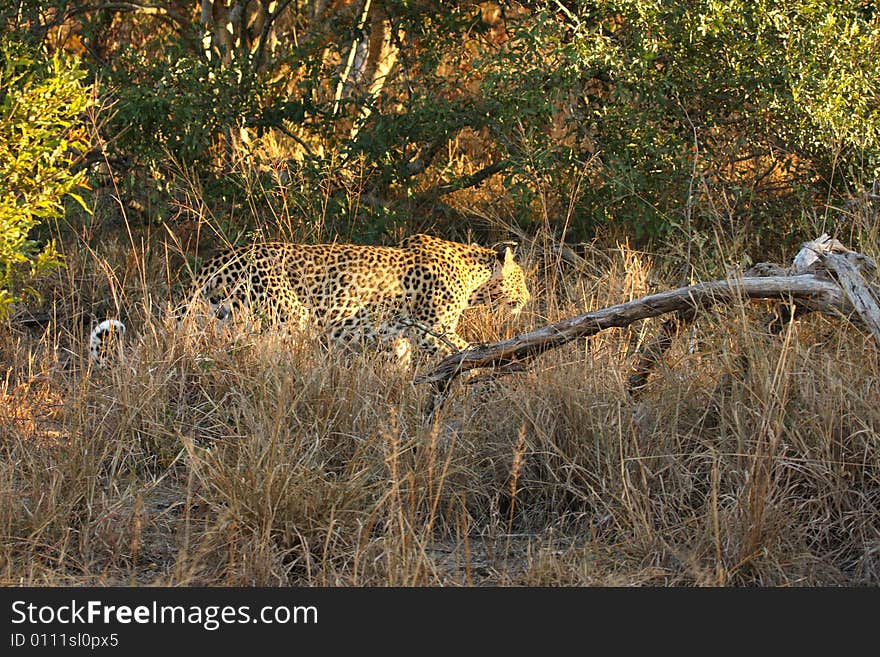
<point>427,330</point>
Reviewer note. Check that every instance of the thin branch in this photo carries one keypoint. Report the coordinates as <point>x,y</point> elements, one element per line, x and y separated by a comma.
<point>340,88</point>
<point>652,353</point>
<point>428,331</point>
<point>264,33</point>
<point>150,10</point>
<point>298,140</point>
<point>420,163</point>
<point>464,183</point>
<point>162,13</point>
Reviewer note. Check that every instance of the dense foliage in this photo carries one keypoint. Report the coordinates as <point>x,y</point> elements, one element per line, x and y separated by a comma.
<point>639,116</point>
<point>41,135</point>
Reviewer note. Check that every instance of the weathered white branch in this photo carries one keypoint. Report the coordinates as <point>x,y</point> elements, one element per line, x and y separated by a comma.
<point>857,292</point>
<point>814,291</point>
<point>825,276</point>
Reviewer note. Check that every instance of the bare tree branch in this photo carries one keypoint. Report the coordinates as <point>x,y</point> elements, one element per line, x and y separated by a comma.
<point>264,33</point>
<point>134,7</point>
<point>179,21</point>
<point>298,140</point>
<point>847,271</point>
<point>815,291</point>
<point>810,289</point>
<point>810,281</point>
<point>464,183</point>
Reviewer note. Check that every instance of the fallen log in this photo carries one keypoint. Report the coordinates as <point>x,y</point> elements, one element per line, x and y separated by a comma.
<point>813,292</point>
<point>824,256</point>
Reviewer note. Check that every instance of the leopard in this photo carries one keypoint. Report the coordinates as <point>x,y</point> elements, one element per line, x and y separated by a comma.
<point>396,298</point>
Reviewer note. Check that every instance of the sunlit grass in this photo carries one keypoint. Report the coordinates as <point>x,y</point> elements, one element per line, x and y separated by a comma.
<point>265,459</point>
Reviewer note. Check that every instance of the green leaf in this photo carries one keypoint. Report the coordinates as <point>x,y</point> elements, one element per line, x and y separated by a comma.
<point>79,199</point>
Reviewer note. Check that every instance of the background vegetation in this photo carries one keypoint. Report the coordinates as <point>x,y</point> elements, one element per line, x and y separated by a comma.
<point>627,145</point>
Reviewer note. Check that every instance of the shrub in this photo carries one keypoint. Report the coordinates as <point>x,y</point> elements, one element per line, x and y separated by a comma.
<point>770,106</point>
<point>41,104</point>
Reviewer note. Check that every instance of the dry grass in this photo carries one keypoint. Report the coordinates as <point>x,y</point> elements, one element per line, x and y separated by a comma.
<point>748,460</point>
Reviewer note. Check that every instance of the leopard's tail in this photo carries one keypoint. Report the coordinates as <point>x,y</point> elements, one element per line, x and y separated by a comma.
<point>105,339</point>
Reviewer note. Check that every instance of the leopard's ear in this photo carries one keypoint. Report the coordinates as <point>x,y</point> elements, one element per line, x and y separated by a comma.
<point>505,250</point>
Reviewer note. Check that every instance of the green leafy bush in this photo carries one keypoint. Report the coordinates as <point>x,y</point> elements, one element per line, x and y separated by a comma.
<point>649,118</point>
<point>769,105</point>
<point>41,104</point>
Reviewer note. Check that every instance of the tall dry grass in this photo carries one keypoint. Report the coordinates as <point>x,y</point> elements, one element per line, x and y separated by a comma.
<point>264,459</point>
